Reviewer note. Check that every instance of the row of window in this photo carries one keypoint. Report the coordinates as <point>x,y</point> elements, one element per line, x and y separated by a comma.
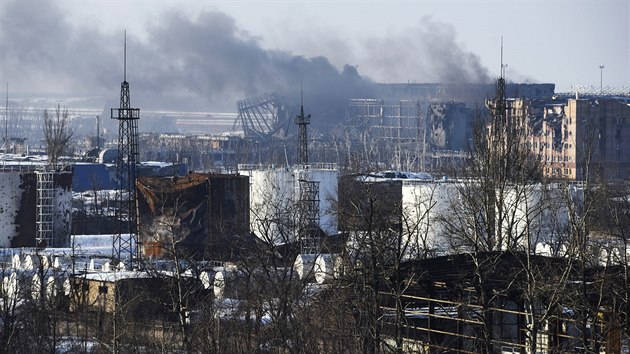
<point>545,145</point>
<point>554,158</point>
<point>558,171</point>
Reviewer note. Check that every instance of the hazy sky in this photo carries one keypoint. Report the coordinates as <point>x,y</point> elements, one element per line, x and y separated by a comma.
<point>208,52</point>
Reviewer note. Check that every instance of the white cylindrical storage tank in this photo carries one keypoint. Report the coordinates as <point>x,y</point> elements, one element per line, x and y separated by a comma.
<point>57,262</point>
<point>51,287</point>
<point>227,282</point>
<point>327,267</point>
<point>92,266</point>
<point>31,261</point>
<point>13,286</point>
<point>45,261</point>
<point>16,262</point>
<point>207,279</point>
<point>562,250</point>
<point>98,264</point>
<point>106,267</point>
<point>219,284</point>
<point>36,287</point>
<point>304,266</point>
<point>543,249</point>
<point>615,256</point>
<point>67,287</point>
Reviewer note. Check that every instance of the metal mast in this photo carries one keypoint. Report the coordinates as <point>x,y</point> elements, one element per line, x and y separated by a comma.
<point>125,240</point>
<point>6,122</point>
<point>302,121</point>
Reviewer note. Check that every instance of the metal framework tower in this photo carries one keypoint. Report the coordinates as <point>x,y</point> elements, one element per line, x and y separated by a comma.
<point>45,208</point>
<point>125,240</point>
<point>302,121</point>
<point>308,216</point>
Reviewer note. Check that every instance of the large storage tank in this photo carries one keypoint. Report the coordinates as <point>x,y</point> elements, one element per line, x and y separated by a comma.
<point>304,266</point>
<point>201,215</point>
<point>275,192</point>
<point>18,208</point>
<point>328,267</point>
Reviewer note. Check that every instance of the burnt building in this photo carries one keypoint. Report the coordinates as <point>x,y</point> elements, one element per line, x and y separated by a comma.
<point>485,302</point>
<point>199,215</point>
<point>578,137</point>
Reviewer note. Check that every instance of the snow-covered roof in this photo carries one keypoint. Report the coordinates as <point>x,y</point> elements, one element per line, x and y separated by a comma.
<point>115,276</point>
<point>396,175</point>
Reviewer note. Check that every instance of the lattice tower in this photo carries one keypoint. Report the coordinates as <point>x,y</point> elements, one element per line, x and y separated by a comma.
<point>123,246</point>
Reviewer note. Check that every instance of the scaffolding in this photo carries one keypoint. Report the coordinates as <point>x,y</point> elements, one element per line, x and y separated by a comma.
<point>308,216</point>
<point>399,128</point>
<point>45,208</point>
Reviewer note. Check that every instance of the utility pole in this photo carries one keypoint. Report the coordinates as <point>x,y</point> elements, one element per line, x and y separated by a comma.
<point>6,122</point>
<point>98,132</point>
<point>601,81</point>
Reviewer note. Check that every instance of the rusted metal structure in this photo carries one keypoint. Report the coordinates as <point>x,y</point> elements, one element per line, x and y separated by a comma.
<point>198,215</point>
<point>262,116</point>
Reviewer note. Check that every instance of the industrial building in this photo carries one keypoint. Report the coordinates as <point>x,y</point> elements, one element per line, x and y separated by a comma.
<point>198,214</point>
<point>144,296</point>
<point>485,302</point>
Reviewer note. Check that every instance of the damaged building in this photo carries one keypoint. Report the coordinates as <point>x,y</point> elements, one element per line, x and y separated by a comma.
<point>577,136</point>
<point>200,215</point>
<point>35,208</point>
<point>481,302</point>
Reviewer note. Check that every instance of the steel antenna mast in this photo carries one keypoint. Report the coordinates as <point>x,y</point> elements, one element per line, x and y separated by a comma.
<point>125,242</point>
<point>302,121</point>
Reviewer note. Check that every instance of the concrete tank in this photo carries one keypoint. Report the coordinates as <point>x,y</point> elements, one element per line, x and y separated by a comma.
<point>304,266</point>
<point>228,282</point>
<point>207,279</point>
<point>327,267</point>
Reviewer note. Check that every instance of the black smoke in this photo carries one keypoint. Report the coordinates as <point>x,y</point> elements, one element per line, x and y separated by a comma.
<point>426,52</point>
<point>204,63</point>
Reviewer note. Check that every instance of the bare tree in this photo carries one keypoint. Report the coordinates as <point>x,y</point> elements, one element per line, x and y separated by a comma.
<point>57,133</point>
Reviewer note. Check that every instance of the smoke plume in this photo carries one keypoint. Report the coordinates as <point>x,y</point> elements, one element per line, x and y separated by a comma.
<point>207,63</point>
